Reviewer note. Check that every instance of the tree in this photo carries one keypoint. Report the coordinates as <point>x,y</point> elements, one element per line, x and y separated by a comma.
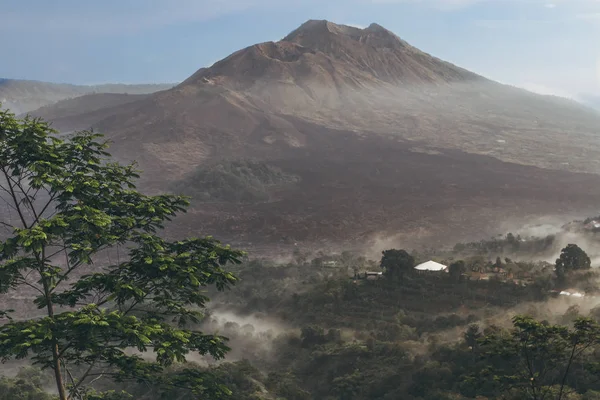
<point>27,385</point>
<point>456,269</point>
<point>573,258</point>
<point>299,256</point>
<point>536,360</point>
<point>396,263</point>
<point>71,208</point>
<point>312,335</point>
<point>472,335</point>
<point>498,263</point>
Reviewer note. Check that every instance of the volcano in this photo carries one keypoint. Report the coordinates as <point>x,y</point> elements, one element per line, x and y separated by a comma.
<point>336,134</point>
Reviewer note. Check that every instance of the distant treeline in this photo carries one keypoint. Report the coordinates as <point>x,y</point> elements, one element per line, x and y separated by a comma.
<point>509,244</point>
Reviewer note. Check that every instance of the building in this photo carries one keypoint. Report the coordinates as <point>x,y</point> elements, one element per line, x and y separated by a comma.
<point>431,266</point>
<point>369,275</point>
<point>373,275</point>
<point>477,276</point>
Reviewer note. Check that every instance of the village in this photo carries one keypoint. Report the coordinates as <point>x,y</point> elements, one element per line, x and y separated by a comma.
<point>488,272</point>
<point>476,273</point>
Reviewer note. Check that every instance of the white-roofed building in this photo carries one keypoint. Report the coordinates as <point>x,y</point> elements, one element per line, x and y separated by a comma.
<point>431,266</point>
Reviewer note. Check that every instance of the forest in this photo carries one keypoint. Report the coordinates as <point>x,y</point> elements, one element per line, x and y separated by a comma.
<point>306,330</point>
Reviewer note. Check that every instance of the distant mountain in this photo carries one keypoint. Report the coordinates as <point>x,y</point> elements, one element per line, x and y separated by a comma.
<point>81,112</point>
<point>21,96</point>
<point>338,133</point>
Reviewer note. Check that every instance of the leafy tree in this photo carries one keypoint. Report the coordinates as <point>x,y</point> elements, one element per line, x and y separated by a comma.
<point>472,335</point>
<point>536,360</point>
<point>498,263</point>
<point>71,207</point>
<point>572,258</point>
<point>312,335</point>
<point>396,263</point>
<point>456,269</point>
<point>27,385</point>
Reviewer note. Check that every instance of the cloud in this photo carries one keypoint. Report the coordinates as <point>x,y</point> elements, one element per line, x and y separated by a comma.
<point>546,90</point>
<point>598,73</point>
<point>126,16</point>
<point>513,23</point>
<point>354,25</point>
<point>457,4</point>
<point>115,17</point>
<point>440,4</point>
<point>589,16</point>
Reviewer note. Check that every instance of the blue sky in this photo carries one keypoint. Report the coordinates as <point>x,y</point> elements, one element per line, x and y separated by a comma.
<point>549,46</point>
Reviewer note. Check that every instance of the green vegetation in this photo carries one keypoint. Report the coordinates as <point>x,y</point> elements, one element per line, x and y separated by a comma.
<point>72,206</point>
<point>234,181</point>
<point>396,263</point>
<point>422,337</point>
<point>572,258</point>
<point>537,360</point>
<point>508,245</point>
<point>29,384</point>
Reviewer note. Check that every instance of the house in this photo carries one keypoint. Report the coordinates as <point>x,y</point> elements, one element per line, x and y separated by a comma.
<point>369,275</point>
<point>478,276</point>
<point>592,225</point>
<point>572,293</point>
<point>373,275</point>
<point>431,266</point>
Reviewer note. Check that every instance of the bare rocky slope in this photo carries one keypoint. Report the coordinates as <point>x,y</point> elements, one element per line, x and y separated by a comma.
<point>338,134</point>
<point>21,96</point>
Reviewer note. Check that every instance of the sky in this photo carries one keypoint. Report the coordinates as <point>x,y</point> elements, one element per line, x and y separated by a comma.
<point>547,46</point>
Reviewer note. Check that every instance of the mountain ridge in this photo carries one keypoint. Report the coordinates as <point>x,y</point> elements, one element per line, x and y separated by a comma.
<point>377,140</point>
<point>22,96</point>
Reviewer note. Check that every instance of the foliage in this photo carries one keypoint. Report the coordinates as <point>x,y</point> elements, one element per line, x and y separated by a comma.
<point>572,258</point>
<point>28,384</point>
<point>456,269</point>
<point>396,263</point>
<point>242,379</point>
<point>537,360</point>
<point>234,181</point>
<point>71,208</point>
<point>508,244</point>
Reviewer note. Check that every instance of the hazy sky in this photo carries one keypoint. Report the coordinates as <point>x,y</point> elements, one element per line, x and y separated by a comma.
<point>547,46</point>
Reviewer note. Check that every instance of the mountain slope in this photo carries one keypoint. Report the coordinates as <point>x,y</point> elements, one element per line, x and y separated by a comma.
<point>21,96</point>
<point>369,79</point>
<point>351,132</point>
<point>84,111</point>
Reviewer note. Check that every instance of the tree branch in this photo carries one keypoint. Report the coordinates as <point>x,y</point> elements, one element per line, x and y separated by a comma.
<point>24,282</point>
<point>84,377</point>
<point>14,198</point>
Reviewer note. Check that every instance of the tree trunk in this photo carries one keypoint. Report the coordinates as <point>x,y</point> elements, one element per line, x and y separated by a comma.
<point>60,385</point>
<point>62,394</point>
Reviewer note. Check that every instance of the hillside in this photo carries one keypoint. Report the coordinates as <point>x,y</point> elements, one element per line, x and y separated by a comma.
<point>81,112</point>
<point>350,133</point>
<point>22,96</point>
